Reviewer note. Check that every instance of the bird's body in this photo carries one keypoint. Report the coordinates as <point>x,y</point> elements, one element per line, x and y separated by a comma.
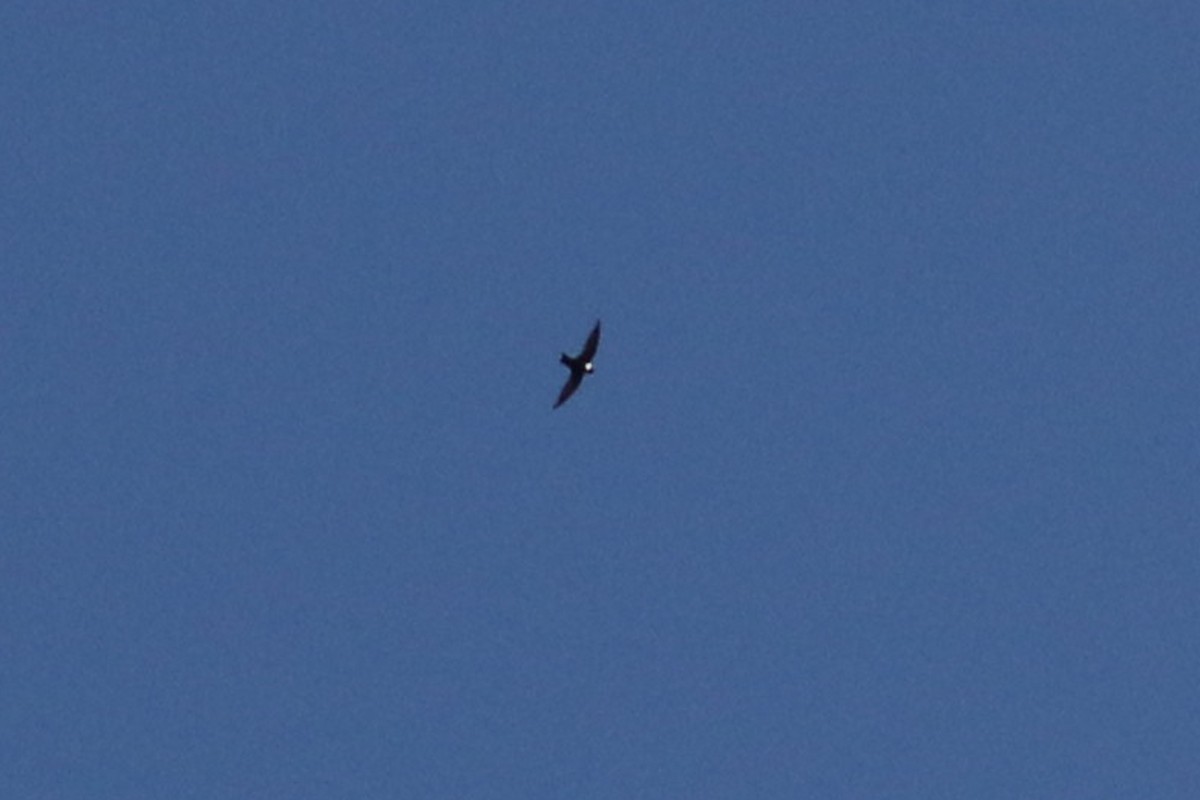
<point>579,365</point>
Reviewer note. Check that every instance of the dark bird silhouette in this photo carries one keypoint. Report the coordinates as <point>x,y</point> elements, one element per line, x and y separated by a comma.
<point>579,365</point>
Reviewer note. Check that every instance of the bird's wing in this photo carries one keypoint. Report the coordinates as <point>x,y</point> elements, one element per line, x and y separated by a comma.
<point>593,341</point>
<point>569,387</point>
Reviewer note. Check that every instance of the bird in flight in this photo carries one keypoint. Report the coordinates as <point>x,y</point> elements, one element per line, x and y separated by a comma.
<point>579,365</point>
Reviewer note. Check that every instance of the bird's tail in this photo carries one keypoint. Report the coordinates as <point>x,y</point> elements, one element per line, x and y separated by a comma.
<point>565,359</point>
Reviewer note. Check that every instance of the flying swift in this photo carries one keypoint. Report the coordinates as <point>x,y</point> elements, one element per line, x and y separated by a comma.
<point>579,365</point>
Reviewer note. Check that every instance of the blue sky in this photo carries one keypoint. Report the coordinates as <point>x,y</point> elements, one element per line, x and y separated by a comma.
<point>886,484</point>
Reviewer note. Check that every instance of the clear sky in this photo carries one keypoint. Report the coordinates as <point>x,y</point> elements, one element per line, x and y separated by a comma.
<point>887,483</point>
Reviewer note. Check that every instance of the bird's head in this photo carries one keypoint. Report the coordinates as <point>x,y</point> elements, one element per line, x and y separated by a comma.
<point>589,368</point>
